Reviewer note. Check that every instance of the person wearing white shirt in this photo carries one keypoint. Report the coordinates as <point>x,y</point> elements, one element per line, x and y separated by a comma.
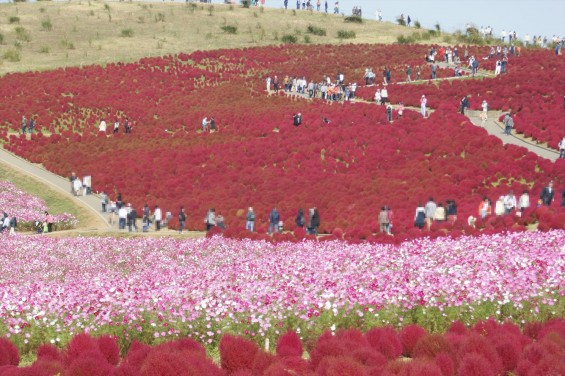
<point>102,126</point>
<point>158,217</point>
<point>524,201</point>
<point>509,202</point>
<point>122,215</point>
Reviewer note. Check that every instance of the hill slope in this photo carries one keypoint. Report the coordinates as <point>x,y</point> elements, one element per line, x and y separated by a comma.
<point>47,35</point>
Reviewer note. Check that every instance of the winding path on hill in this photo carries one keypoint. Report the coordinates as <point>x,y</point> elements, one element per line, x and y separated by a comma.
<point>92,202</point>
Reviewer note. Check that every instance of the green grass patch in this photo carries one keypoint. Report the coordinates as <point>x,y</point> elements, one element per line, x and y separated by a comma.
<point>315,30</point>
<point>289,38</point>
<point>229,29</point>
<point>346,34</point>
<point>353,19</point>
<point>127,33</point>
<point>12,56</point>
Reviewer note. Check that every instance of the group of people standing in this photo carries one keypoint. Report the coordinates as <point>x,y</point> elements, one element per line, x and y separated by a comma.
<point>276,223</point>
<point>102,127</point>
<point>435,212</point>
<point>28,126</point>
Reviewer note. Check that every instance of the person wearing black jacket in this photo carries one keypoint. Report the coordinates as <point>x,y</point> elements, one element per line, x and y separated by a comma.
<point>547,194</point>
<point>182,219</point>
<point>315,222</point>
<point>300,220</point>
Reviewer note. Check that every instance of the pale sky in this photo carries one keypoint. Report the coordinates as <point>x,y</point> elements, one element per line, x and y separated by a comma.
<point>535,17</point>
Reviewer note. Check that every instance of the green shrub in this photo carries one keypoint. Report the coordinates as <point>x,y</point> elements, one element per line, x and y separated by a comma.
<point>14,19</point>
<point>160,17</point>
<point>311,29</point>
<point>12,55</point>
<point>346,34</point>
<point>401,39</point>
<point>246,3</point>
<point>127,33</point>
<point>289,38</point>
<point>417,24</point>
<point>47,25</point>
<point>437,27</point>
<point>1,38</point>
<point>22,34</point>
<point>401,21</point>
<point>307,39</point>
<point>229,29</point>
<point>67,44</point>
<point>353,19</point>
<point>44,50</point>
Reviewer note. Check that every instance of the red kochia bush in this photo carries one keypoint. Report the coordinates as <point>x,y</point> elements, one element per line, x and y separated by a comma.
<point>9,354</point>
<point>385,341</point>
<point>409,336</point>
<point>237,353</point>
<point>289,344</point>
<point>475,365</point>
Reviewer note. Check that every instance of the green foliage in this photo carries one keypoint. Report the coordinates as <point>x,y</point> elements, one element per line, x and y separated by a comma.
<point>65,43</point>
<point>14,19</point>
<point>289,38</point>
<point>401,21</point>
<point>22,34</point>
<point>246,3</point>
<point>447,39</point>
<point>346,34</point>
<point>1,38</point>
<point>401,39</point>
<point>12,56</point>
<point>311,29</point>
<point>47,25</point>
<point>44,50</point>
<point>229,29</point>
<point>437,27</point>
<point>307,39</point>
<point>211,10</point>
<point>160,17</point>
<point>353,19</point>
<point>127,33</point>
<point>417,24</point>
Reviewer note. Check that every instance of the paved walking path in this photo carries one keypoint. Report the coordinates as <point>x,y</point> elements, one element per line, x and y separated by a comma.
<point>59,183</point>
<point>492,126</point>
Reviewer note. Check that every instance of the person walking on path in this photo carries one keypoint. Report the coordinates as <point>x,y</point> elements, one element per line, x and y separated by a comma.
<point>24,124</point>
<point>562,148</point>
<point>423,102</point>
<point>464,104</point>
<point>547,194</point>
<point>49,220</point>
<point>31,125</point>
<point>430,212</point>
<point>274,219</point>
<point>182,219</point>
<point>485,208</point>
<point>315,222</point>
<point>484,113</point>
<point>300,218</point>
<point>268,82</point>
<point>103,201</point>
<point>508,123</point>
<point>420,217</point>
<point>383,220</point>
<point>210,219</point>
<point>250,219</point>
<point>509,202</point>
<point>158,217</point>
<point>122,217</point>
<point>408,73</point>
<point>524,201</point>
<point>132,219</point>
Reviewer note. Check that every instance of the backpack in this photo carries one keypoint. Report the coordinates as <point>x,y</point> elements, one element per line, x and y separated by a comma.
<point>13,222</point>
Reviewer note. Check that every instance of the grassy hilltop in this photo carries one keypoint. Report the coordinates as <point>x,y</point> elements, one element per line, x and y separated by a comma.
<point>47,35</point>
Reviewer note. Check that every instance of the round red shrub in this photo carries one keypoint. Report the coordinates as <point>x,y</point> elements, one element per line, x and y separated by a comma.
<point>385,341</point>
<point>237,353</point>
<point>474,364</point>
<point>289,344</point>
<point>9,354</point>
<point>109,348</point>
<point>409,336</point>
<point>432,345</point>
<point>339,366</point>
